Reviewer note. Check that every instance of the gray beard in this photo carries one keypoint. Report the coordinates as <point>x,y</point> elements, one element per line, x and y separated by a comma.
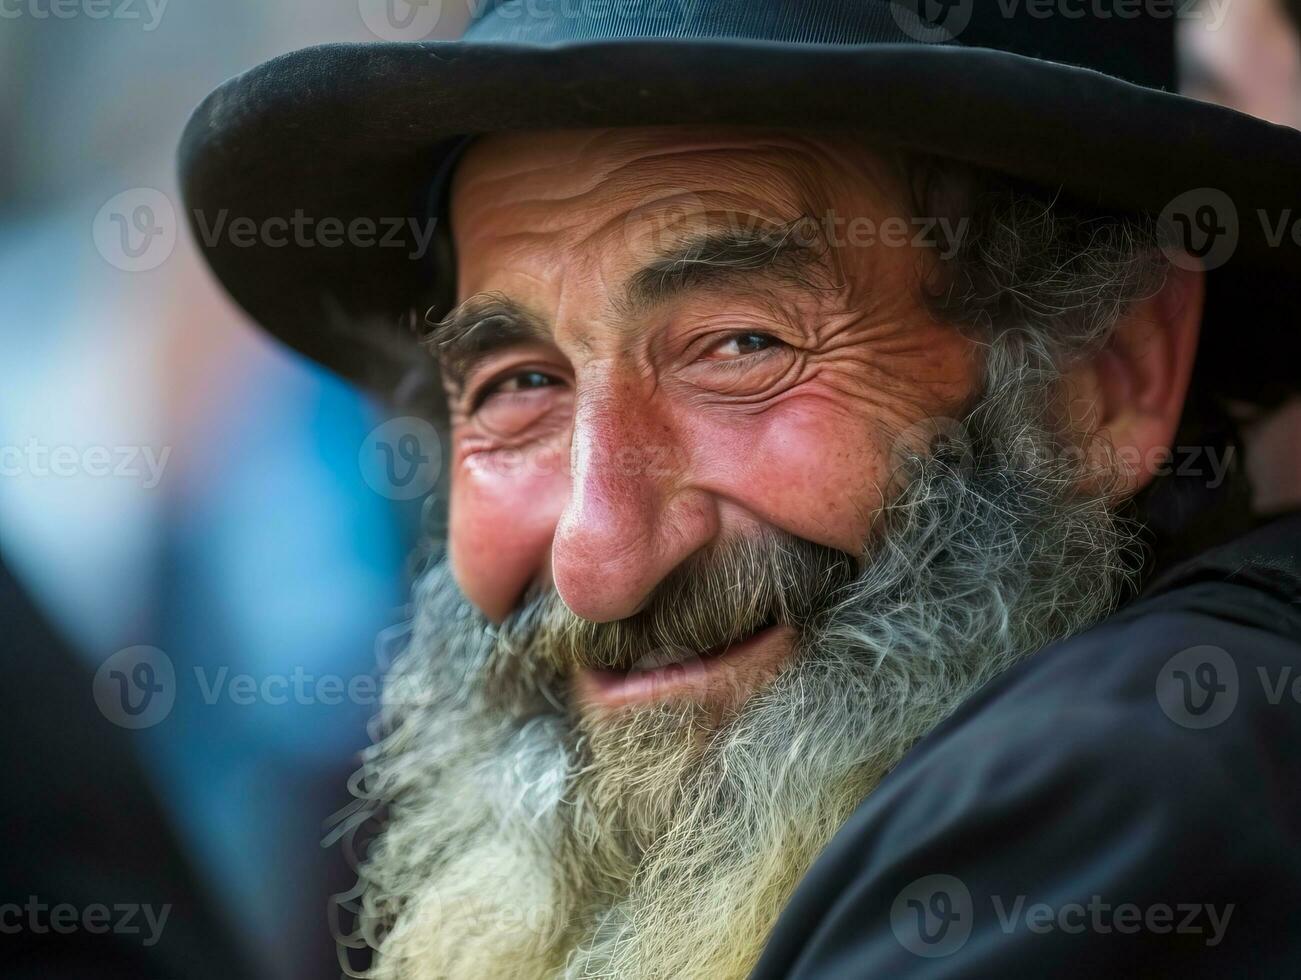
<point>523,840</point>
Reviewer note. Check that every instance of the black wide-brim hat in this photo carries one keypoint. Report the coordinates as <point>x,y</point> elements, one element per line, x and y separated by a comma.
<point>345,133</point>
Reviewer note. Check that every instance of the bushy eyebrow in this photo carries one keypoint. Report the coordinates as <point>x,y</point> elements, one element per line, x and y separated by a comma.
<point>791,252</point>
<point>486,322</point>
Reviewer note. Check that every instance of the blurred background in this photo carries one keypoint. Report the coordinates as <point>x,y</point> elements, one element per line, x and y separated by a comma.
<point>172,480</point>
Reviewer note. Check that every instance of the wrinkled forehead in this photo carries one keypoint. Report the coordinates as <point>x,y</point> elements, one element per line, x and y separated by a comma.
<point>617,196</point>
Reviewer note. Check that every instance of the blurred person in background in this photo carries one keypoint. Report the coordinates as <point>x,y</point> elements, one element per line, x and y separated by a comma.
<point>171,481</point>
<point>1252,63</point>
<point>94,882</point>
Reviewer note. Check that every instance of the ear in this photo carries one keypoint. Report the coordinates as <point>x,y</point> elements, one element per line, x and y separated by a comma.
<point>1126,401</point>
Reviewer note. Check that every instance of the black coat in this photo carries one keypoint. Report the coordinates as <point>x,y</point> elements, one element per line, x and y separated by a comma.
<point>84,833</point>
<point>1124,803</point>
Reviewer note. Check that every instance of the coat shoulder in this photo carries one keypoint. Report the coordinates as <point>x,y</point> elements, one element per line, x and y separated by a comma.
<point>1146,763</point>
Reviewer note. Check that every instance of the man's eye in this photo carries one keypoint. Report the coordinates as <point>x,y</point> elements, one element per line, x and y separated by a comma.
<point>750,342</point>
<point>521,382</point>
<point>511,384</point>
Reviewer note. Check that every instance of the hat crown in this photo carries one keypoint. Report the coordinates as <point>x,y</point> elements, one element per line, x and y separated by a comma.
<point>1129,39</point>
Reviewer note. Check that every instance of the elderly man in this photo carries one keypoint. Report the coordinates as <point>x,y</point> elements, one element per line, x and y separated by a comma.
<point>809,394</point>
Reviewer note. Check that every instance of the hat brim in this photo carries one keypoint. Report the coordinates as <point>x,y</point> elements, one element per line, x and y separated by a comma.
<point>352,132</point>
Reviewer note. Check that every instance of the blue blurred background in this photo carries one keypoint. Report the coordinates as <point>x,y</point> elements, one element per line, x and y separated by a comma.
<point>254,545</point>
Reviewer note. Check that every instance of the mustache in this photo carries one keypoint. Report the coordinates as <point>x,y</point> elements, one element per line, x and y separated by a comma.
<point>715,598</point>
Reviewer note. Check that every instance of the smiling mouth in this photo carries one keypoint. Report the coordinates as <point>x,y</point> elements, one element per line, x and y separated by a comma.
<point>721,677</point>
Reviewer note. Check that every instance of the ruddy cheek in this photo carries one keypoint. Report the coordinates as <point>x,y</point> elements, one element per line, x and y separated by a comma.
<point>810,473</point>
<point>825,480</point>
<point>503,514</point>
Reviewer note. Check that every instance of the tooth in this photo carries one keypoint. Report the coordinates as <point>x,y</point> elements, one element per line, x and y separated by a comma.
<point>661,657</point>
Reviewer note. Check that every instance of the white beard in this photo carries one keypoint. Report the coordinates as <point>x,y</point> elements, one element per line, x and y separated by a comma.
<point>523,842</point>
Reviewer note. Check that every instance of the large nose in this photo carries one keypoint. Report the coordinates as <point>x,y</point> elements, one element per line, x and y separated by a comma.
<point>632,514</point>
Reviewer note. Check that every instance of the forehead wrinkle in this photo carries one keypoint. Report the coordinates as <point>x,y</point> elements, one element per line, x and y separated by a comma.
<point>636,180</point>
<point>541,209</point>
<point>840,176</point>
<point>596,157</point>
<point>790,169</point>
<point>521,172</point>
<point>530,220</point>
<point>763,190</point>
<point>738,211</point>
<point>597,178</point>
<point>760,184</point>
<point>764,149</point>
